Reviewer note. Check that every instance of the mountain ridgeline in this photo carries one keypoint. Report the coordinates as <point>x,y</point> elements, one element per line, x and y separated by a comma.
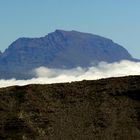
<point>59,49</point>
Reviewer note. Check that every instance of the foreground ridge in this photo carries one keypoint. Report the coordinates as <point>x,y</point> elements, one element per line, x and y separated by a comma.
<point>102,109</point>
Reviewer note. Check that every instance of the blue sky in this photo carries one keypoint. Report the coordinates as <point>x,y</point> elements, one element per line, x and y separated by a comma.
<point>115,19</point>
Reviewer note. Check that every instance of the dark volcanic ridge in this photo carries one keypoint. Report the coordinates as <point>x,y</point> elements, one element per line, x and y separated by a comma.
<point>59,49</point>
<point>106,109</point>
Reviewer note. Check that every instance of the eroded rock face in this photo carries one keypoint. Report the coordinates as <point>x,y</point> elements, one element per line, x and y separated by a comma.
<point>60,49</point>
<point>104,109</point>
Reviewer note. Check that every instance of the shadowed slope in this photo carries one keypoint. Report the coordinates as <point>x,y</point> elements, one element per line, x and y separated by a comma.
<point>106,109</point>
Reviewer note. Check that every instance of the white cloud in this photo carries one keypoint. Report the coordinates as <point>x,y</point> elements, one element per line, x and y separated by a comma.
<point>102,70</point>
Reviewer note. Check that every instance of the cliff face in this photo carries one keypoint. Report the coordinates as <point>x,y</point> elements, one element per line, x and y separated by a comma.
<point>104,109</point>
<point>60,49</point>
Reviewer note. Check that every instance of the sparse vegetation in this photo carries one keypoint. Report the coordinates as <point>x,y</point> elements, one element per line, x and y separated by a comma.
<point>107,109</point>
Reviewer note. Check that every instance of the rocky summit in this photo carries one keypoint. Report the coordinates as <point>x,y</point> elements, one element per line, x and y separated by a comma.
<point>106,109</point>
<point>59,49</point>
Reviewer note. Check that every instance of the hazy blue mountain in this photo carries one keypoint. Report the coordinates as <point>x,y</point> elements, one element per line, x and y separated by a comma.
<point>60,49</point>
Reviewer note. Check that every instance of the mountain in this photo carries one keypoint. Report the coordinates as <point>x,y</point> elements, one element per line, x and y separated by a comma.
<point>60,49</point>
<point>106,109</point>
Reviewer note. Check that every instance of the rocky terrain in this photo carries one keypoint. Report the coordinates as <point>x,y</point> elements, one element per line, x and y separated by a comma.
<point>106,109</point>
<point>59,49</point>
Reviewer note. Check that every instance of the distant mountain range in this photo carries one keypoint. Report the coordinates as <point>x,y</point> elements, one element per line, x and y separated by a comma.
<point>59,49</point>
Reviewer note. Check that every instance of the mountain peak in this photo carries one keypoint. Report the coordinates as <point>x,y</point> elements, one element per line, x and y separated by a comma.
<point>77,34</point>
<point>60,49</point>
<point>69,32</point>
<point>60,31</point>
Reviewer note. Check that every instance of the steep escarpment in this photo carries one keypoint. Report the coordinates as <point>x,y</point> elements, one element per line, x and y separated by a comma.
<point>106,109</point>
<point>59,49</point>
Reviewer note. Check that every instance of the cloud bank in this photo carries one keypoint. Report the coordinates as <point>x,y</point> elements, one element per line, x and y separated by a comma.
<point>102,70</point>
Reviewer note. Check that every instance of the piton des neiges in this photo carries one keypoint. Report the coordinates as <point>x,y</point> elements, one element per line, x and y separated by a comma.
<point>59,49</point>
